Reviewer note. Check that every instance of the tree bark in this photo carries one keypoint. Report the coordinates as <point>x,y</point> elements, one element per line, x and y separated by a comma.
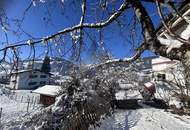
<point>150,36</point>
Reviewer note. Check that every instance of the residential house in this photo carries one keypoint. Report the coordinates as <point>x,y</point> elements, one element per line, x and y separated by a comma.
<point>167,70</point>
<point>29,79</point>
<point>144,66</point>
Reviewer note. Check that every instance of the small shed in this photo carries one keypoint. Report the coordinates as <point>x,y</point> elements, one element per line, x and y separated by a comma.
<point>148,90</point>
<point>48,93</point>
<point>150,87</point>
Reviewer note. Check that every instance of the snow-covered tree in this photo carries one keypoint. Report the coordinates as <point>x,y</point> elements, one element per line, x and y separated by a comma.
<point>46,68</point>
<point>132,19</point>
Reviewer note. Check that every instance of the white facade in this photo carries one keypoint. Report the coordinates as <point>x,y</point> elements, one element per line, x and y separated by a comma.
<point>162,63</point>
<point>166,69</point>
<point>29,79</point>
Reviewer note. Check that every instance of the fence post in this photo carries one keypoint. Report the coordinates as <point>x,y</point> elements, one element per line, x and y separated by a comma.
<point>126,123</point>
<point>15,97</point>
<point>1,109</point>
<point>21,99</point>
<point>28,104</point>
<point>34,102</point>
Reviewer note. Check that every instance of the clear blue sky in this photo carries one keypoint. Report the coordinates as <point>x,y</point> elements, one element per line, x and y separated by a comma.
<point>116,39</point>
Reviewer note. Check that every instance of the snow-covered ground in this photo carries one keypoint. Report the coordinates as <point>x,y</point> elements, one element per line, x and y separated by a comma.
<point>145,119</point>
<point>122,94</point>
<point>16,105</point>
<point>11,109</point>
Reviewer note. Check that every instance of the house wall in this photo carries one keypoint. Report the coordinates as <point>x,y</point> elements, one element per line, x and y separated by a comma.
<point>13,80</point>
<point>4,78</point>
<point>47,100</point>
<point>172,70</point>
<point>29,80</point>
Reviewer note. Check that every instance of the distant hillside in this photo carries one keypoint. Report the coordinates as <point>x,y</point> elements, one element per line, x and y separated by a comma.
<point>58,66</point>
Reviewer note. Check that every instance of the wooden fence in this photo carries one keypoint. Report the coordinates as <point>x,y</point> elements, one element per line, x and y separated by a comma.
<point>1,109</point>
<point>31,101</point>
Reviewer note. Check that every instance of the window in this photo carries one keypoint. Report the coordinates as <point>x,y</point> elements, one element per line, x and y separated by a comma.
<point>42,76</point>
<point>161,76</point>
<point>33,76</point>
<point>14,81</point>
<point>42,82</point>
<point>32,83</point>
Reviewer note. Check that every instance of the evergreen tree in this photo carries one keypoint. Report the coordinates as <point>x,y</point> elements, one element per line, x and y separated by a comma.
<point>46,65</point>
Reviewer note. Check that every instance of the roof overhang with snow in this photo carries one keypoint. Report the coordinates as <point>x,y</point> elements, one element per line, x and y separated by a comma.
<point>30,70</point>
<point>48,90</point>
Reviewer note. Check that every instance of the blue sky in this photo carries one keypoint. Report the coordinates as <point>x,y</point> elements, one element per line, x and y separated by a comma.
<point>115,39</point>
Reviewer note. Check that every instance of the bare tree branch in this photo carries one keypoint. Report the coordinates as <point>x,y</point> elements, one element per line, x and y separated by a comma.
<point>105,23</point>
<point>167,28</point>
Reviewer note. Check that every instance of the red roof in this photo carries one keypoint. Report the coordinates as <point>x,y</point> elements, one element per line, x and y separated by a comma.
<point>150,87</point>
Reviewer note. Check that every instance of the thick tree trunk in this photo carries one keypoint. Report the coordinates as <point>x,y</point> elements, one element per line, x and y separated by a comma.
<point>150,37</point>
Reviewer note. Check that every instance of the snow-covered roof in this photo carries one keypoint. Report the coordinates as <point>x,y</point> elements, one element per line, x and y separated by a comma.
<point>49,90</point>
<point>149,84</point>
<point>29,70</point>
<point>150,87</point>
<point>162,60</point>
<point>133,94</point>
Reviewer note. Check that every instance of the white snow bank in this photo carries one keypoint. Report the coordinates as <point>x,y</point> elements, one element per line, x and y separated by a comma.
<point>133,94</point>
<point>145,119</point>
<point>177,103</point>
<point>12,110</point>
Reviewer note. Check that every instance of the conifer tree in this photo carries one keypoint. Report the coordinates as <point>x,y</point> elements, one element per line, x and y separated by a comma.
<point>46,65</point>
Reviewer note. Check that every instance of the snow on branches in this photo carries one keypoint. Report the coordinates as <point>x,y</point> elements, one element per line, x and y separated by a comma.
<point>75,35</point>
<point>34,2</point>
<point>172,42</point>
<point>29,42</point>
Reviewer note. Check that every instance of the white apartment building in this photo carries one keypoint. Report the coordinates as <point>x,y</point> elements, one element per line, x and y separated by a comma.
<point>166,69</point>
<point>29,79</point>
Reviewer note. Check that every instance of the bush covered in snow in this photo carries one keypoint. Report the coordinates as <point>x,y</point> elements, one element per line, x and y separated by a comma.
<point>82,106</point>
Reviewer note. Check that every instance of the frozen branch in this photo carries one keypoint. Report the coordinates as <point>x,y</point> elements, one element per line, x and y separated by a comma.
<point>144,19</point>
<point>137,54</point>
<point>105,23</point>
